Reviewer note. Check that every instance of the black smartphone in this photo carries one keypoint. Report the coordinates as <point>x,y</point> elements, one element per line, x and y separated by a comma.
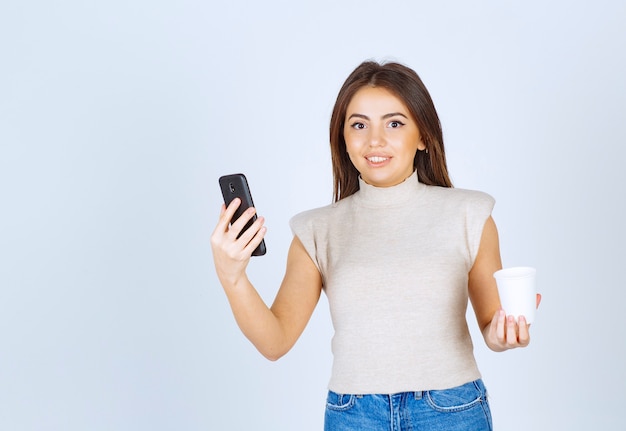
<point>236,186</point>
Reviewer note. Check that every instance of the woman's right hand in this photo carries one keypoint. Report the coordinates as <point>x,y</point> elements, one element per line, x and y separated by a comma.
<point>231,254</point>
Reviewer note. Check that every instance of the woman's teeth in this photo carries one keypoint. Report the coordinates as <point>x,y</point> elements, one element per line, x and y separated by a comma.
<point>376,159</point>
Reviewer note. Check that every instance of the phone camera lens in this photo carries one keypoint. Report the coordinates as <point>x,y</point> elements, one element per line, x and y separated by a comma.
<point>232,187</point>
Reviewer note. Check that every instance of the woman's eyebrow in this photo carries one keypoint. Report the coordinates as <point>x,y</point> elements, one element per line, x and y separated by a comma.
<point>365,117</point>
<point>393,114</point>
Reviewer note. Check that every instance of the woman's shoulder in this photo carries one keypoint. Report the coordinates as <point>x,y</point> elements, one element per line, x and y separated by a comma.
<point>460,194</point>
<point>319,214</point>
<point>310,214</point>
<point>466,201</point>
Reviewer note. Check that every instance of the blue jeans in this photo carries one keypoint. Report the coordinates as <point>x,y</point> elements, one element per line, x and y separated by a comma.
<point>457,409</point>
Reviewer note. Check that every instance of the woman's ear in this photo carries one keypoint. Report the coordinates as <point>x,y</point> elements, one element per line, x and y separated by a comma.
<point>421,145</point>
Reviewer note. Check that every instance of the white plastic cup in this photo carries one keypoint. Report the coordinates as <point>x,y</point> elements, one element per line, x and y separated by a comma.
<point>518,291</point>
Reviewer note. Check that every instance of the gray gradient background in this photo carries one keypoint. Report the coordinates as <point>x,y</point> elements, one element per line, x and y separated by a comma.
<point>116,119</point>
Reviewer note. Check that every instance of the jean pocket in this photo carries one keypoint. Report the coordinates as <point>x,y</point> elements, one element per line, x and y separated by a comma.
<point>339,402</point>
<point>456,399</point>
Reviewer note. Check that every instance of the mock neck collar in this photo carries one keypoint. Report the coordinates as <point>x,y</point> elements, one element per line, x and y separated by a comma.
<point>384,197</point>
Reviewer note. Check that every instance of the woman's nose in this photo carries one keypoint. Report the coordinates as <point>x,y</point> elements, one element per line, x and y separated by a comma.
<point>376,137</point>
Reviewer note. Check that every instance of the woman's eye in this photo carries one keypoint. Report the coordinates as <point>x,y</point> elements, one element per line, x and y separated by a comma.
<point>396,124</point>
<point>358,126</point>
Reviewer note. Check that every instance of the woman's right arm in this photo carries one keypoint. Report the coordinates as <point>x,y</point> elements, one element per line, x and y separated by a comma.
<point>273,331</point>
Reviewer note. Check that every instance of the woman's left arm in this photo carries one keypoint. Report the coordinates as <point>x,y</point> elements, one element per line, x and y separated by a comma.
<point>500,332</point>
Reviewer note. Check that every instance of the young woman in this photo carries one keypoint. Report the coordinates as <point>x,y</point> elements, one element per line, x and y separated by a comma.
<point>398,254</point>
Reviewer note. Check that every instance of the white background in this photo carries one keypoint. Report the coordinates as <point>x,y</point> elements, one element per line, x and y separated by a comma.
<point>117,118</point>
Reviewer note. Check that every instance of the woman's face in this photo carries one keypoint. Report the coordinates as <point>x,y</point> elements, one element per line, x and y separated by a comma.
<point>381,137</point>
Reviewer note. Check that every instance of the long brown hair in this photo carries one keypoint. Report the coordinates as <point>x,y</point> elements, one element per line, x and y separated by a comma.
<point>405,84</point>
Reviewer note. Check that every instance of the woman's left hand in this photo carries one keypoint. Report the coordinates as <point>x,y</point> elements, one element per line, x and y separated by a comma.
<point>504,332</point>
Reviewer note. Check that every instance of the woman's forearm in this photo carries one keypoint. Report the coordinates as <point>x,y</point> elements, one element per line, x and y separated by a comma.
<point>255,319</point>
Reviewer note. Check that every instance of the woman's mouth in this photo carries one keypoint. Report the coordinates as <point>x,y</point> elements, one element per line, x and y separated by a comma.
<point>377,160</point>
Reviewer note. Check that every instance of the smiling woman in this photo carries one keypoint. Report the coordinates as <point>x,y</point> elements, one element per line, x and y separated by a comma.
<point>398,254</point>
<point>381,137</point>
<point>405,93</point>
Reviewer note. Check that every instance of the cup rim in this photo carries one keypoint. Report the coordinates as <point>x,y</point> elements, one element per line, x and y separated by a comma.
<point>515,272</point>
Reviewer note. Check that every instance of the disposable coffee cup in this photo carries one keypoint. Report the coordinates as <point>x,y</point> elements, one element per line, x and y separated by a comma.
<point>518,291</point>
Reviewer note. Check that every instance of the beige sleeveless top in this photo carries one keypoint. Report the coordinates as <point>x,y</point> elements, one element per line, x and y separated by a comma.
<point>394,263</point>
